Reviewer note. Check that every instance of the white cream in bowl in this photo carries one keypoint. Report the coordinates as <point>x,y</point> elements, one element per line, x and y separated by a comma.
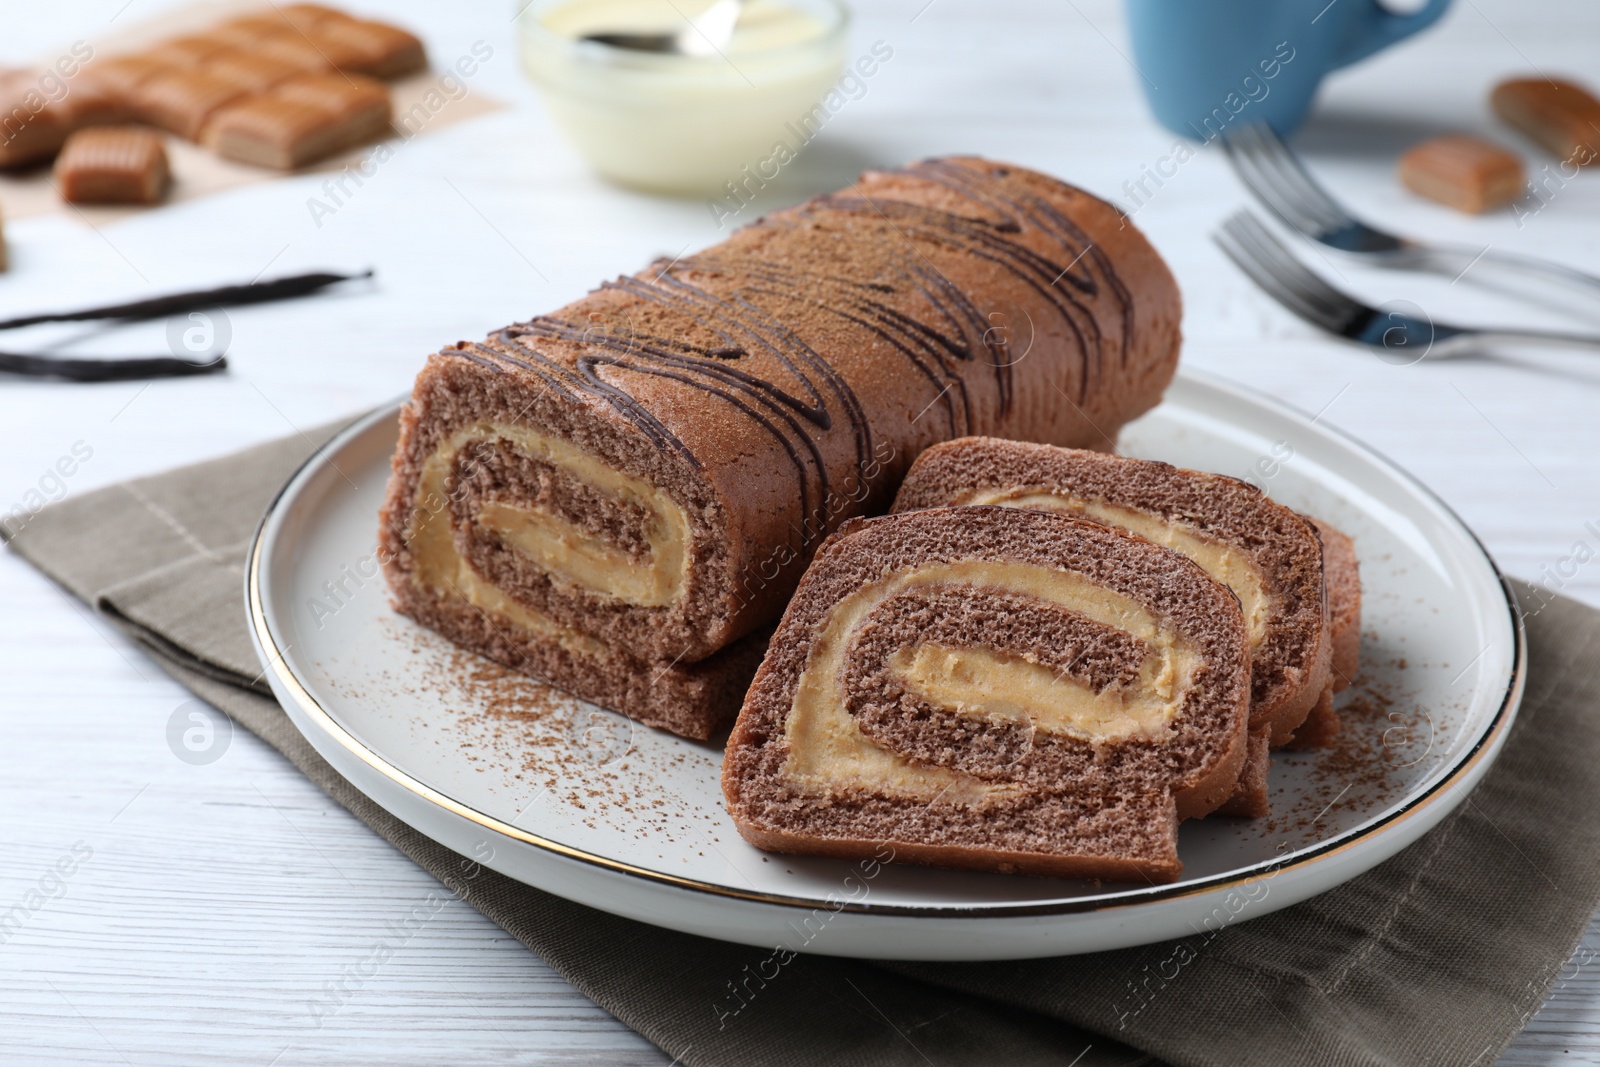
<point>682,124</point>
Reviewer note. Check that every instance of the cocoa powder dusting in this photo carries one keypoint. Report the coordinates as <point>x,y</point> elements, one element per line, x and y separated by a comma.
<point>1385,744</point>
<point>552,750</point>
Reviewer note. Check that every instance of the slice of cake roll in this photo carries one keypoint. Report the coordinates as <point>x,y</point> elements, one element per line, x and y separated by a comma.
<point>1268,555</point>
<point>640,477</point>
<point>992,688</point>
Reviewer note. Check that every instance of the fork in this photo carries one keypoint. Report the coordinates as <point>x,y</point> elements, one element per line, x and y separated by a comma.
<point>1288,281</point>
<point>1280,181</point>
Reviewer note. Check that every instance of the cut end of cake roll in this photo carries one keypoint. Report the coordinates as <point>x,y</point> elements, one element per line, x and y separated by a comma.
<point>562,545</point>
<point>996,689</point>
<point>554,515</point>
<point>1266,554</point>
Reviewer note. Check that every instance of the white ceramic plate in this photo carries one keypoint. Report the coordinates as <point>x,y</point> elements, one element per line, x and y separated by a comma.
<point>583,803</point>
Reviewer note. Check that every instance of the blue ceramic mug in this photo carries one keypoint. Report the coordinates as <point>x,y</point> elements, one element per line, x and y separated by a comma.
<point>1206,64</point>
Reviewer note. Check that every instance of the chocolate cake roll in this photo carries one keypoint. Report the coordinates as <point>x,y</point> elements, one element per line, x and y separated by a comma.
<point>646,472</point>
<point>993,688</point>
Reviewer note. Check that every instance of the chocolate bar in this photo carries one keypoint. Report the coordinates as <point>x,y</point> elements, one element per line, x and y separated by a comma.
<point>181,101</point>
<point>238,67</point>
<point>303,119</point>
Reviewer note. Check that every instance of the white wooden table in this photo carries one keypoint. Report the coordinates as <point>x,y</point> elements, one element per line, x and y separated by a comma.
<point>220,901</point>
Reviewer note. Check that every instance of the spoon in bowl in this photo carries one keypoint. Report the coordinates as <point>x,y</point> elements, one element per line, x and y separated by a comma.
<point>707,34</point>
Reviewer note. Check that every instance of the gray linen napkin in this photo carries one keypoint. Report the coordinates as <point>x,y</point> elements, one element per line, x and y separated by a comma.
<point>1437,957</point>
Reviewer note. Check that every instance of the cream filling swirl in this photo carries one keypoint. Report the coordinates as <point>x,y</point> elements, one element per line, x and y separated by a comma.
<point>827,749</point>
<point>570,554</point>
<point>1224,562</point>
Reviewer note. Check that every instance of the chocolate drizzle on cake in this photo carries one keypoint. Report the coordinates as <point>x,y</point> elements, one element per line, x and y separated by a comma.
<point>1039,213</point>
<point>891,303</point>
<point>741,327</point>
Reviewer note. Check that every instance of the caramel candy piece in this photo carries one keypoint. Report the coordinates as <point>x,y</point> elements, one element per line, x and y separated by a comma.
<point>384,51</point>
<point>183,100</point>
<point>1561,115</point>
<point>1462,172</point>
<point>301,120</point>
<point>250,72</point>
<point>112,165</point>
